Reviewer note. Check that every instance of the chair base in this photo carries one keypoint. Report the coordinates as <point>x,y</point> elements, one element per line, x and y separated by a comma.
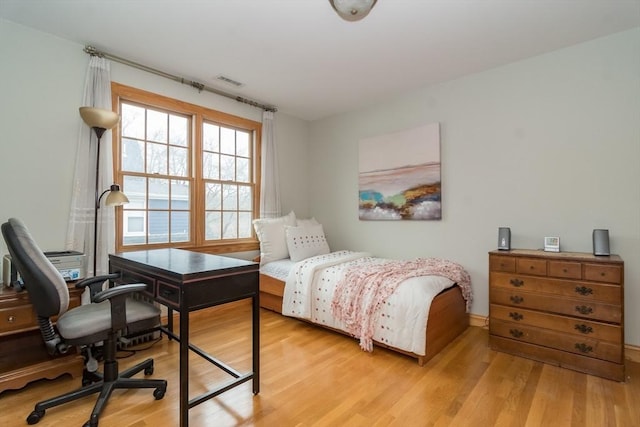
<point>105,387</point>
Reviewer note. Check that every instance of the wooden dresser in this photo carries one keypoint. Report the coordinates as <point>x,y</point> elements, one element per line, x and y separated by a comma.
<point>565,309</point>
<point>23,356</point>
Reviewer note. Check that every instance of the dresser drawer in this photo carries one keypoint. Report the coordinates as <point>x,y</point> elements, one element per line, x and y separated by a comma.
<point>534,266</point>
<point>603,273</point>
<point>502,263</point>
<point>16,318</point>
<point>553,304</point>
<point>558,323</point>
<point>565,269</point>
<point>580,345</point>
<point>597,292</point>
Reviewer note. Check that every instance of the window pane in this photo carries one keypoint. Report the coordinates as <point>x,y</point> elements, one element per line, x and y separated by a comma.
<point>132,121</point>
<point>213,196</point>
<point>157,158</point>
<point>134,228</point>
<point>213,225</point>
<point>245,198</point>
<point>228,141</point>
<point>158,227</point>
<point>179,226</point>
<point>156,126</point>
<point>158,194</point>
<point>211,137</point>
<point>135,187</point>
<point>178,164</point>
<point>229,197</point>
<point>244,224</point>
<point>211,166</point>
<point>242,144</point>
<point>178,130</point>
<point>180,195</point>
<point>243,169</point>
<point>132,155</point>
<point>229,225</point>
<point>227,168</point>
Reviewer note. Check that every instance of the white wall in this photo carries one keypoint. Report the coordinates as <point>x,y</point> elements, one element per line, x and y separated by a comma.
<point>41,84</point>
<point>549,146</point>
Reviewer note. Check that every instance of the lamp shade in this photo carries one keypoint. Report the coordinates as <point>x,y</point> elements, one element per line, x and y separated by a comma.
<point>115,196</point>
<point>352,10</point>
<point>99,117</point>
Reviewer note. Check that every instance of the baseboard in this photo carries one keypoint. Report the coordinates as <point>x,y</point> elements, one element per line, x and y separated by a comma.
<point>631,352</point>
<point>480,321</point>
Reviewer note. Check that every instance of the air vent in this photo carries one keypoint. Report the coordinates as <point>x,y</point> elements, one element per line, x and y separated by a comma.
<point>229,81</point>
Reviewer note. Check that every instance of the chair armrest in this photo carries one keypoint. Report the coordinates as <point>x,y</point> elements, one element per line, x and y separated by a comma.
<point>95,283</point>
<point>119,290</point>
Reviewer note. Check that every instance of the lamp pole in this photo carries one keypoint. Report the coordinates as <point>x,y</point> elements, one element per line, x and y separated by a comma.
<point>99,132</point>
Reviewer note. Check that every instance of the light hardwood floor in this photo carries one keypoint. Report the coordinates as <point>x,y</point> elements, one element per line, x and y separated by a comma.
<point>313,377</point>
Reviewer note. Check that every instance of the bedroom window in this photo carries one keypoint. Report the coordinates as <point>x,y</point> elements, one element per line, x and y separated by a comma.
<point>190,173</point>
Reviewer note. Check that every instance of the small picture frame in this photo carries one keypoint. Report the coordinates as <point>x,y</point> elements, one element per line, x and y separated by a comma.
<point>552,244</point>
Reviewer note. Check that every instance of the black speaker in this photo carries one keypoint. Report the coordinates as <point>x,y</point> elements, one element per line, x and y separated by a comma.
<point>504,238</point>
<point>601,242</point>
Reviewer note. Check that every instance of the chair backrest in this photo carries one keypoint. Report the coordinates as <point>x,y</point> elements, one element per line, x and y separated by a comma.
<point>47,289</point>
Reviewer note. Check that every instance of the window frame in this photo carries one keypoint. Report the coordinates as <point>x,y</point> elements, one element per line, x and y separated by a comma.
<point>199,115</point>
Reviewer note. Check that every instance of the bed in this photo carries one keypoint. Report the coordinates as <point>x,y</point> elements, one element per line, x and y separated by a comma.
<point>420,314</point>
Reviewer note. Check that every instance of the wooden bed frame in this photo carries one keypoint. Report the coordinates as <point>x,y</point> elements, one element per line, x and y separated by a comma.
<point>447,316</point>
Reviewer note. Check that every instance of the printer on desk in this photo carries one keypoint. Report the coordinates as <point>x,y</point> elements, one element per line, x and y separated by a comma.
<point>71,264</point>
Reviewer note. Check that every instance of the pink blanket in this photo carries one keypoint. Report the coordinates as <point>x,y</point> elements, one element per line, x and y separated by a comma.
<point>363,288</point>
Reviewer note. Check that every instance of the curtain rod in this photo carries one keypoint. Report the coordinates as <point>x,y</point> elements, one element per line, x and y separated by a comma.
<point>95,52</point>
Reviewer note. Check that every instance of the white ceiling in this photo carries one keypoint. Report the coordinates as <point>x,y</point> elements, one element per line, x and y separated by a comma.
<point>299,56</point>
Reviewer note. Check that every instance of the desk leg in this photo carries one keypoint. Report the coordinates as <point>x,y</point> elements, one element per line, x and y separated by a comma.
<point>256,343</point>
<point>184,367</point>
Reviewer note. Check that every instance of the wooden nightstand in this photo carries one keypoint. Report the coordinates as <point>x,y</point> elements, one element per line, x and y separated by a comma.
<point>23,356</point>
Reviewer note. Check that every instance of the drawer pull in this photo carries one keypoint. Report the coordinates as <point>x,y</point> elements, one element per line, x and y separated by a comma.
<point>516,333</point>
<point>585,329</point>
<point>516,316</point>
<point>583,309</point>
<point>583,290</point>
<point>583,348</point>
<point>516,282</point>
<point>11,319</point>
<point>516,299</point>
<point>166,293</point>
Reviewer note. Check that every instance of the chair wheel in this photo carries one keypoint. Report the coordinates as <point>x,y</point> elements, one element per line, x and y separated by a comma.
<point>159,393</point>
<point>35,417</point>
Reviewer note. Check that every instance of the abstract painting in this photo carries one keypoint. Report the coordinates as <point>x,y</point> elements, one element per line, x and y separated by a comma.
<point>399,175</point>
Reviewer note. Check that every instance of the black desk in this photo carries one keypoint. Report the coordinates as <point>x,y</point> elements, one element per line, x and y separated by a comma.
<point>187,281</point>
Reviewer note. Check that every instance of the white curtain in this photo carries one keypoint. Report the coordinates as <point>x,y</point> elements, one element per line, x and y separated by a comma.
<point>270,185</point>
<point>97,93</point>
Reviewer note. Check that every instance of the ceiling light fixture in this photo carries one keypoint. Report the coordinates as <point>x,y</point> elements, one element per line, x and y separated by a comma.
<point>352,10</point>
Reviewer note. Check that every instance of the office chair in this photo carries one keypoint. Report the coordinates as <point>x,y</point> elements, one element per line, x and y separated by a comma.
<point>111,314</point>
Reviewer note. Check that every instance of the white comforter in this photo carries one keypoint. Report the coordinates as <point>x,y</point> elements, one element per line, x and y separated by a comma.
<point>401,322</point>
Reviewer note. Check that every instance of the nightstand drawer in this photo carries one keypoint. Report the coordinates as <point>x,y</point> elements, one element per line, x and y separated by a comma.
<point>16,318</point>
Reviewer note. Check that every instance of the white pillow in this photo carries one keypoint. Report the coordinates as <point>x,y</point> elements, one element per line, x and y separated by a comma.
<point>305,242</point>
<point>270,232</point>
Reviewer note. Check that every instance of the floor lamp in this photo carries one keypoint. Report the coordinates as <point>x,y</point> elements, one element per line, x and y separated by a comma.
<point>100,120</point>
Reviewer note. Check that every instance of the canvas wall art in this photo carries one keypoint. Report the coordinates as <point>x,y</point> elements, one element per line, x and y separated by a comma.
<point>399,175</point>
